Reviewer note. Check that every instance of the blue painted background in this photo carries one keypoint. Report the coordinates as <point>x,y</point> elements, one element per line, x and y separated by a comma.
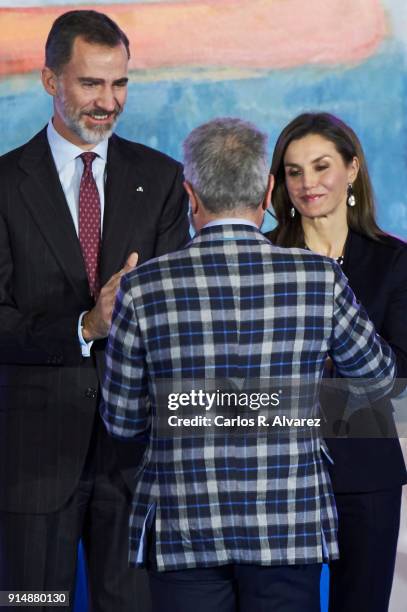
<point>371,97</point>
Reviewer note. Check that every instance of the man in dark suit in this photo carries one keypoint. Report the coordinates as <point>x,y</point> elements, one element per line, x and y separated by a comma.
<point>77,204</point>
<point>240,517</point>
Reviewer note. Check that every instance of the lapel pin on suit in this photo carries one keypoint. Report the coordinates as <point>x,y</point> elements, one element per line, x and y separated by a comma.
<point>139,188</point>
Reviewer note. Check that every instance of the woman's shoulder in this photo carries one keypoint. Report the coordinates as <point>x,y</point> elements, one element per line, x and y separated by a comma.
<point>383,243</point>
<point>382,261</point>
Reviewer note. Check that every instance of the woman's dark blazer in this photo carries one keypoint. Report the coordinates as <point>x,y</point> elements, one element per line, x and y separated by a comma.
<point>377,273</point>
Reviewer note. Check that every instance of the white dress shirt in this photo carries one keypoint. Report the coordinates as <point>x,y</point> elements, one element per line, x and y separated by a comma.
<point>230,221</point>
<point>70,169</point>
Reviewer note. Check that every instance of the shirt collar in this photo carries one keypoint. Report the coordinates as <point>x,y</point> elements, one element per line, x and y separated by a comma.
<point>64,151</point>
<point>230,221</point>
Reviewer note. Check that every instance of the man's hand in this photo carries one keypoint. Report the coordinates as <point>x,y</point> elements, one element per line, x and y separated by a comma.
<point>96,322</point>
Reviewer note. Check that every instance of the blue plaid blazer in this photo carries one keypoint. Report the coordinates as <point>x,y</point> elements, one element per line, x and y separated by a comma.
<point>232,305</point>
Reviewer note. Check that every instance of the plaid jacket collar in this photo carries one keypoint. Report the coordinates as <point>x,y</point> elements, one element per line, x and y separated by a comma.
<point>219,233</point>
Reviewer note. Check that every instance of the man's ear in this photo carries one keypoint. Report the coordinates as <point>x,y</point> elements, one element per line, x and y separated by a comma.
<point>49,81</point>
<point>269,190</point>
<point>193,198</point>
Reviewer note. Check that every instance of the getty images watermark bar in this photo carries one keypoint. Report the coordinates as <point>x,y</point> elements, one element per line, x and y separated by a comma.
<point>333,407</point>
<point>34,598</point>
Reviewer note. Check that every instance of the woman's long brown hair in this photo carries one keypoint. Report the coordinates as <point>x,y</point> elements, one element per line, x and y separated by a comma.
<point>361,218</point>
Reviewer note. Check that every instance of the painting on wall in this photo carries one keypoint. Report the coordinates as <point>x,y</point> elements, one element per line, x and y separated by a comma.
<point>263,60</point>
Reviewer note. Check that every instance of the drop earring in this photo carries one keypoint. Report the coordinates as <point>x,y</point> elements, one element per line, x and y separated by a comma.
<point>292,212</point>
<point>350,200</point>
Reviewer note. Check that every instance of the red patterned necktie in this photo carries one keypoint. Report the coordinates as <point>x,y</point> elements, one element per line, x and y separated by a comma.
<point>89,222</point>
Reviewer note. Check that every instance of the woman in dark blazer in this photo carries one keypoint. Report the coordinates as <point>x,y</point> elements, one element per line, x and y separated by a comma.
<point>323,201</point>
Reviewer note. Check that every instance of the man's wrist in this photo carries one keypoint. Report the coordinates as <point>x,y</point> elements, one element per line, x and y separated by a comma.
<point>92,327</point>
<point>85,344</point>
<point>87,328</point>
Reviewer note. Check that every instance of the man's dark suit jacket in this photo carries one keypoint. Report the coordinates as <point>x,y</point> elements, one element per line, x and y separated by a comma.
<point>377,273</point>
<point>48,392</point>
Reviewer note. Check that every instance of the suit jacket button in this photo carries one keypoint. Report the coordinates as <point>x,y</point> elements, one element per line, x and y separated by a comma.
<point>91,393</point>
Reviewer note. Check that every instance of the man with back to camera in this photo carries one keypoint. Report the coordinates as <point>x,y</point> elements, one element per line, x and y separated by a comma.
<point>78,204</point>
<point>235,521</point>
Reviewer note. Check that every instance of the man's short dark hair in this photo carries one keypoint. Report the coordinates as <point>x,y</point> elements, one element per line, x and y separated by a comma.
<point>92,26</point>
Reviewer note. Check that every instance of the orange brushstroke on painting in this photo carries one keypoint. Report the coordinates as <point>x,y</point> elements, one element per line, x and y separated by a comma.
<point>256,34</point>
